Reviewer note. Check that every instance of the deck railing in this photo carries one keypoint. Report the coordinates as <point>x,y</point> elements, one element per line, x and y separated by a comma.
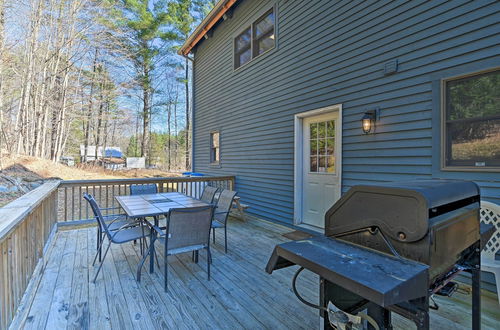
<point>72,206</point>
<point>26,225</point>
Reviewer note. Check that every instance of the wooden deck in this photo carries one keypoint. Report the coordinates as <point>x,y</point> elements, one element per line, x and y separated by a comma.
<point>239,295</point>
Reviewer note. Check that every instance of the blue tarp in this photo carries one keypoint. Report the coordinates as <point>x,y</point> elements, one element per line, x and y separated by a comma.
<point>113,153</point>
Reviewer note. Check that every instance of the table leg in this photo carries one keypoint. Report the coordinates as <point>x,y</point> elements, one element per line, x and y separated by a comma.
<point>152,246</point>
<point>143,260</point>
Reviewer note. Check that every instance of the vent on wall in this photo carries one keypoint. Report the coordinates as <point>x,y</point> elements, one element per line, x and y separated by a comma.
<point>391,67</point>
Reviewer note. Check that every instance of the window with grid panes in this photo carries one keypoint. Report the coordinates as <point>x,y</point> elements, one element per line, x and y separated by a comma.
<point>322,147</point>
<point>255,40</point>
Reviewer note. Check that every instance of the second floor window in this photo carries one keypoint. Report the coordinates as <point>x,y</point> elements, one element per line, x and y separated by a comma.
<point>255,40</point>
<point>243,48</point>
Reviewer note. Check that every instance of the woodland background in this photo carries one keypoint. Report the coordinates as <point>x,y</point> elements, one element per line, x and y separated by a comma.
<point>97,72</point>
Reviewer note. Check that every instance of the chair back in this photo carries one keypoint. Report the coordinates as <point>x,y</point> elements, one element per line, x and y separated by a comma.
<point>97,213</point>
<point>224,204</point>
<point>143,189</point>
<point>490,214</point>
<point>188,227</point>
<point>209,194</point>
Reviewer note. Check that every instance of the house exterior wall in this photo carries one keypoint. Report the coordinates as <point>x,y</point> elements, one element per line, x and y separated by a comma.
<point>334,52</point>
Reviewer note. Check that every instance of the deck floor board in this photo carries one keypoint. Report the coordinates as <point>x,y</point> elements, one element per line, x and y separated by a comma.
<point>239,295</point>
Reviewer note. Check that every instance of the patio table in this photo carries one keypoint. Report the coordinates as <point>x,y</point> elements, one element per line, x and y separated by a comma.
<point>154,205</point>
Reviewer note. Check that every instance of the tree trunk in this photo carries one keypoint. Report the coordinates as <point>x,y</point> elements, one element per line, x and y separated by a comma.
<point>88,119</point>
<point>145,114</point>
<point>99,122</point>
<point>21,127</point>
<point>176,144</point>
<point>169,115</point>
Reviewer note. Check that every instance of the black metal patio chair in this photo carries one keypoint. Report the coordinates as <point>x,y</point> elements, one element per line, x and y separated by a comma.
<point>224,205</point>
<point>113,221</point>
<point>125,233</point>
<point>208,194</point>
<point>187,230</point>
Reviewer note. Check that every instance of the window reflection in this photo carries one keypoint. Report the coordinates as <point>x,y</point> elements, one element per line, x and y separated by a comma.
<point>472,127</point>
<point>322,147</point>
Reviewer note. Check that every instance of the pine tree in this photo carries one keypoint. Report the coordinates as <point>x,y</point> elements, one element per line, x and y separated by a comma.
<point>142,26</point>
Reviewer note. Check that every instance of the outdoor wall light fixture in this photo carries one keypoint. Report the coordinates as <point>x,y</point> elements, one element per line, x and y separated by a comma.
<point>368,120</point>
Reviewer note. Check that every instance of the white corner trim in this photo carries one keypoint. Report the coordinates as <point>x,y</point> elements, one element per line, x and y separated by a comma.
<point>298,158</point>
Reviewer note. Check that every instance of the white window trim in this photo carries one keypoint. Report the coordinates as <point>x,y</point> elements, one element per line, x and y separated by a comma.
<point>298,155</point>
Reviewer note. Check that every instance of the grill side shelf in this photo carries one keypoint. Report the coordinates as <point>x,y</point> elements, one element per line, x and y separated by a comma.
<point>378,277</point>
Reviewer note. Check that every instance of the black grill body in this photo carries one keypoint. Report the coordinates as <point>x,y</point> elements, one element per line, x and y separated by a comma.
<point>412,236</point>
<point>430,221</point>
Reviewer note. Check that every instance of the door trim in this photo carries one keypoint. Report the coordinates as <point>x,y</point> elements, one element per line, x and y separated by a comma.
<point>299,159</point>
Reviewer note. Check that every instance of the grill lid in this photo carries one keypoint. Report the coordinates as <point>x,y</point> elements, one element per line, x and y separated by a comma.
<point>437,192</point>
<point>400,209</point>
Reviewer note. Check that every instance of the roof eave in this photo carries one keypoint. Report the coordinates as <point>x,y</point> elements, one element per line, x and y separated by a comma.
<point>208,22</point>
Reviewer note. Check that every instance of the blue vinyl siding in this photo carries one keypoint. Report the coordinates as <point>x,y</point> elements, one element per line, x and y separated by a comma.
<point>333,52</point>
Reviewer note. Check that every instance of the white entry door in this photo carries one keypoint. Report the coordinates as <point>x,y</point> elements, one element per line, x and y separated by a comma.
<point>321,150</point>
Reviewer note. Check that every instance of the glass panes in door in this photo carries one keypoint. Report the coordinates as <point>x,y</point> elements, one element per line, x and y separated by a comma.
<point>322,147</point>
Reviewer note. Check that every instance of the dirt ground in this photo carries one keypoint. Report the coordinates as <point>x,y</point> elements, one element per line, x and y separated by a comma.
<point>18,175</point>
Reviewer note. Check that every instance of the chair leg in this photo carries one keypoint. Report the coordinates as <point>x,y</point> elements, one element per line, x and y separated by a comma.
<point>100,243</point>
<point>100,249</point>
<point>156,258</point>
<point>102,262</point>
<point>100,240</point>
<point>165,265</point>
<point>209,261</point>
<point>213,231</point>
<point>225,239</point>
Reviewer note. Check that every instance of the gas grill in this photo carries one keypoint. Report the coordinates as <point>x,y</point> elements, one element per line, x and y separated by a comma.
<point>389,248</point>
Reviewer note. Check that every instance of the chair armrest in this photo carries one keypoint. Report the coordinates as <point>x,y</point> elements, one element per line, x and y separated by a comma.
<point>158,230</point>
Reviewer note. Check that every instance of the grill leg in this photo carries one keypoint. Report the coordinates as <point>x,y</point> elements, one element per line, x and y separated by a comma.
<point>476,288</point>
<point>422,320</point>
<point>381,315</point>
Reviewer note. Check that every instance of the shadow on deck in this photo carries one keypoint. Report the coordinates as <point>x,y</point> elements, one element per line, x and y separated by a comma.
<point>240,293</point>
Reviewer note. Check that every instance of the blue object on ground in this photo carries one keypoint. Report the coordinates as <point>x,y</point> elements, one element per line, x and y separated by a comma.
<point>192,174</point>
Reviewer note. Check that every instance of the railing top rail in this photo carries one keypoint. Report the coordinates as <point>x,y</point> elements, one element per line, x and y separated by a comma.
<point>12,214</point>
<point>67,183</point>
